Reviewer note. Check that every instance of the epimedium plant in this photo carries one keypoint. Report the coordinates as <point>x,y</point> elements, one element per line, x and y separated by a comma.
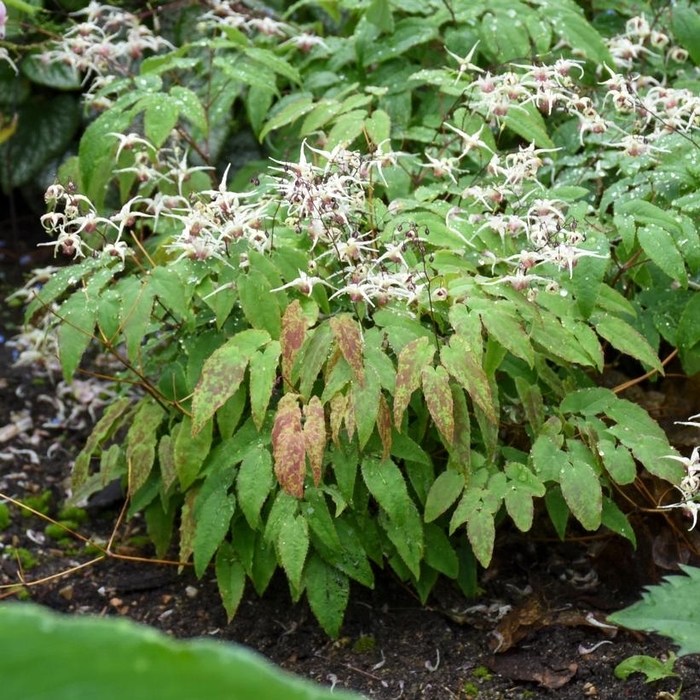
<point>369,356</point>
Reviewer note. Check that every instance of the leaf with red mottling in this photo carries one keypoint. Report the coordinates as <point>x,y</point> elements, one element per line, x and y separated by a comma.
<point>438,398</point>
<point>315,436</point>
<point>384,426</point>
<point>338,405</point>
<point>294,325</point>
<point>288,446</point>
<point>349,338</point>
<point>350,423</point>
<point>459,360</point>
<point>223,373</point>
<point>414,356</point>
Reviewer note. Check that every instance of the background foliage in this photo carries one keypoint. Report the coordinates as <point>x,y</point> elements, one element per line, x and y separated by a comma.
<point>385,344</point>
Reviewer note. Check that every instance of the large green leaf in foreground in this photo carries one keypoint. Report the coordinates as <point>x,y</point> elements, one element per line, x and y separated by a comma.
<point>670,609</point>
<point>48,656</point>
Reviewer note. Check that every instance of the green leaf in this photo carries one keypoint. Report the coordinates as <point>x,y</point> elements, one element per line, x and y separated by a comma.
<point>558,511</point>
<point>614,519</point>
<point>637,431</point>
<point>387,485</point>
<point>190,107</point>
<point>439,553</point>
<point>161,113</point>
<point>230,578</point>
<point>379,14</point>
<point>254,484</point>
<point>365,401</point>
<point>688,335</point>
<point>668,609</point>
<point>135,315</point>
<point>313,356</point>
<point>527,122</point>
<point>685,24</point>
<point>406,534</point>
<point>653,669</point>
<point>570,25</point>
<point>288,111</point>
<point>626,339</point>
<point>408,32</point>
<point>501,320</point>
<point>618,462</point>
<point>660,246</point>
<point>260,307</point>
<point>190,451</point>
<point>328,591</point>
<point>78,316</point>
<point>275,63</point>
<point>160,666</point>
<point>58,75</point>
<point>446,489</point>
<point>588,402</point>
<point>45,128</point>
<point>263,373</point>
<point>223,373</point>
<point>504,37</point>
<point>580,485</point>
<point>292,546</point>
<point>647,213</point>
<point>213,511</point>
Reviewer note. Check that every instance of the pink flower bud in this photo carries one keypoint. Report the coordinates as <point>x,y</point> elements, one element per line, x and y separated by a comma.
<point>3,19</point>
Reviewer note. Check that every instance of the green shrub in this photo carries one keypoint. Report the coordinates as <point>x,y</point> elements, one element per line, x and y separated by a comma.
<point>371,356</point>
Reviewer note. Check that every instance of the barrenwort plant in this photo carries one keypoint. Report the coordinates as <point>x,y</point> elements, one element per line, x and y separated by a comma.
<point>386,341</point>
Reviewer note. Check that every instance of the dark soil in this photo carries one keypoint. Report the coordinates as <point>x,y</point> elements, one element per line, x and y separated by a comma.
<point>532,633</point>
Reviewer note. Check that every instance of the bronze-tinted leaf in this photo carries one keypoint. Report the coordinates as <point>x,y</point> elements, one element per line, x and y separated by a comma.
<point>438,397</point>
<point>288,446</point>
<point>384,426</point>
<point>415,355</point>
<point>349,338</point>
<point>294,325</point>
<point>460,361</point>
<point>315,436</point>
<point>338,405</point>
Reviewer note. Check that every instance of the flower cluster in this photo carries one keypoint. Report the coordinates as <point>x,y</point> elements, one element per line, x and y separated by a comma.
<point>328,203</point>
<point>222,15</point>
<point>690,484</point>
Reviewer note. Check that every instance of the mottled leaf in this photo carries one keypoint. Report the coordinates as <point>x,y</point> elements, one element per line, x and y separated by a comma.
<point>223,373</point>
<point>458,359</point>
<point>315,436</point>
<point>292,336</point>
<point>190,451</point>
<point>141,442</point>
<point>384,426</point>
<point>438,397</point>
<point>348,335</point>
<point>288,446</point>
<point>412,359</point>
